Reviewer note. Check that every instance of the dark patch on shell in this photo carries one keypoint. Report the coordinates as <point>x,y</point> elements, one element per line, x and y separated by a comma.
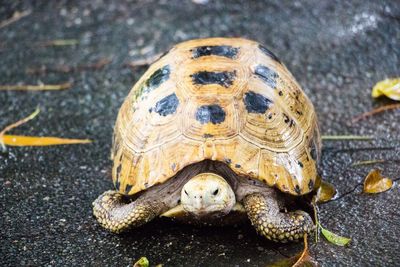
<point>227,160</point>
<point>297,189</point>
<point>210,113</point>
<point>256,103</point>
<point>154,81</point>
<point>218,50</point>
<point>128,188</point>
<point>166,106</point>
<point>286,118</point>
<point>311,185</point>
<point>267,75</point>
<point>158,77</point>
<point>207,135</point>
<point>173,166</point>
<point>237,166</point>
<point>268,52</point>
<point>118,170</point>
<point>300,164</point>
<point>313,151</point>
<point>117,185</point>
<point>224,78</point>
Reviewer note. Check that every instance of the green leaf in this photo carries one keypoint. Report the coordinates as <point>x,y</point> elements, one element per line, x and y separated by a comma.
<point>334,238</point>
<point>142,262</point>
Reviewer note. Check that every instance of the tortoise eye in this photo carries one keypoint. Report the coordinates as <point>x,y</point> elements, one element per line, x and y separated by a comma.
<point>215,192</point>
<point>186,192</point>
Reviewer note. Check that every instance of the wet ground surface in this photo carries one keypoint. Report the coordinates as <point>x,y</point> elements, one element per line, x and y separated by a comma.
<point>336,49</point>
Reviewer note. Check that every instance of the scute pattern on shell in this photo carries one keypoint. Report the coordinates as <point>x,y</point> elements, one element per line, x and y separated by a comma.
<point>272,135</point>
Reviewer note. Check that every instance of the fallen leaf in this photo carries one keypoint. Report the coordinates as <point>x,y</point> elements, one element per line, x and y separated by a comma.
<point>334,238</point>
<point>16,124</point>
<point>389,87</point>
<point>325,192</point>
<point>142,262</point>
<point>15,17</point>
<point>20,140</point>
<point>367,162</point>
<point>301,259</point>
<point>40,87</point>
<point>305,258</point>
<point>58,42</point>
<point>376,183</point>
<point>346,138</point>
<point>287,262</point>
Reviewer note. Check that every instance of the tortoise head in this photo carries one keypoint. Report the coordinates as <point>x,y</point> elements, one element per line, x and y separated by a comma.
<point>207,194</point>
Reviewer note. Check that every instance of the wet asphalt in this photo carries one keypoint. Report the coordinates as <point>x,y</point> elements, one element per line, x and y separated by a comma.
<point>337,50</point>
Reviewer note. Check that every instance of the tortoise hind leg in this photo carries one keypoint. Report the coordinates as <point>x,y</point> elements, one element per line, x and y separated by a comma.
<point>116,215</point>
<point>264,214</point>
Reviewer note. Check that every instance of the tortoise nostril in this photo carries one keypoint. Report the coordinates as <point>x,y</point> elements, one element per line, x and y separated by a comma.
<point>216,191</point>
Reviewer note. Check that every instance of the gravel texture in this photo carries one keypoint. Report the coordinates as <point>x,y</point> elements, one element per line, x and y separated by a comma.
<point>336,49</point>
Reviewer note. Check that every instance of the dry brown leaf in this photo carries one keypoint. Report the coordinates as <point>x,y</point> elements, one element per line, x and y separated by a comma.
<point>325,192</point>
<point>299,260</point>
<point>389,88</point>
<point>375,183</point>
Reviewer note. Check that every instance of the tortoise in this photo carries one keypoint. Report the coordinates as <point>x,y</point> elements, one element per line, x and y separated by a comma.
<point>214,129</point>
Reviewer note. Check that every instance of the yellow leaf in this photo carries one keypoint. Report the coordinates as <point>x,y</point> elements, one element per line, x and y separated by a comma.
<point>388,87</point>
<point>142,262</point>
<point>334,238</point>
<point>20,140</point>
<point>375,183</point>
<point>325,192</point>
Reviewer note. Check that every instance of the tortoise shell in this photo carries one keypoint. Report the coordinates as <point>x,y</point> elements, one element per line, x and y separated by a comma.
<point>223,99</point>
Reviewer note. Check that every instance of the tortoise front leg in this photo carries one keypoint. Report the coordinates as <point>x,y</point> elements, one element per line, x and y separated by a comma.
<point>264,214</point>
<point>116,215</point>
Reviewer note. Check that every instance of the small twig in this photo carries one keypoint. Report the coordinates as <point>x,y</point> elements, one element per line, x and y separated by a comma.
<point>143,61</point>
<point>68,69</point>
<point>375,111</point>
<point>367,162</point>
<point>15,17</point>
<point>40,87</point>
<point>346,137</point>
<point>58,42</point>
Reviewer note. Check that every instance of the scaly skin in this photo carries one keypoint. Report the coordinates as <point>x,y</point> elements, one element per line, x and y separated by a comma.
<point>263,212</point>
<point>114,214</point>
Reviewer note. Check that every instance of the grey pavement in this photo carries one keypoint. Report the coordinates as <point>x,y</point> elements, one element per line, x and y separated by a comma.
<point>337,50</point>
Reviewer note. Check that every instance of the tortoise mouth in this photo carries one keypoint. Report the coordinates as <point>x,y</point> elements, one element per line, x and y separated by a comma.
<point>209,211</point>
